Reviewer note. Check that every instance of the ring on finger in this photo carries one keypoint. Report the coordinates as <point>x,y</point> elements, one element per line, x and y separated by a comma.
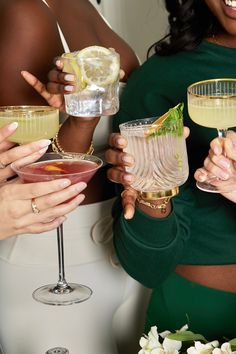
<point>34,207</point>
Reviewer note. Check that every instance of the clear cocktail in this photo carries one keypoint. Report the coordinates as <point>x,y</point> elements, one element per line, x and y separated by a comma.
<point>161,162</point>
<point>96,70</point>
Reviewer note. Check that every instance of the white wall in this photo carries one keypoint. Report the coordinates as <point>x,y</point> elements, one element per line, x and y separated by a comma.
<point>139,22</point>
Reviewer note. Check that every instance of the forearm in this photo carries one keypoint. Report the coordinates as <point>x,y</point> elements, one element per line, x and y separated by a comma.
<point>149,248</point>
<point>76,134</point>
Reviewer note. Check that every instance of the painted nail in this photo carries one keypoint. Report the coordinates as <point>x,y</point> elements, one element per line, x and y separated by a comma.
<point>224,164</point>
<point>69,77</point>
<point>44,142</point>
<point>12,126</point>
<point>217,150</point>
<point>80,186</point>
<point>128,178</point>
<point>65,183</point>
<point>69,88</point>
<point>128,159</point>
<point>120,141</point>
<point>58,63</point>
<point>224,175</point>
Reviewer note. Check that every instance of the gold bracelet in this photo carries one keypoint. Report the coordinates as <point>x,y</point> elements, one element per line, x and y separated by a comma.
<point>57,148</point>
<point>162,206</point>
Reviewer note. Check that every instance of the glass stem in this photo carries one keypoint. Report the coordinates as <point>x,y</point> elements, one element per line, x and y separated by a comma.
<point>62,283</point>
<point>222,133</point>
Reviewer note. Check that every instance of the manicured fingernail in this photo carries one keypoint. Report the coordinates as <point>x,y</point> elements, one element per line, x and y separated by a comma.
<point>69,88</point>
<point>65,183</point>
<point>224,164</point>
<point>58,62</point>
<point>128,159</point>
<point>12,126</point>
<point>216,150</point>
<point>79,199</point>
<point>128,178</point>
<point>44,142</point>
<point>120,141</point>
<point>128,214</point>
<point>80,186</point>
<point>224,175</point>
<point>69,77</point>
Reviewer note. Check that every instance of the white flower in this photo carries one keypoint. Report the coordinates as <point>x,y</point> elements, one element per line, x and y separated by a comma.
<point>200,348</point>
<point>224,349</point>
<point>150,344</point>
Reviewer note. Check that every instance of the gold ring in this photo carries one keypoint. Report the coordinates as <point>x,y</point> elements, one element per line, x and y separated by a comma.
<point>2,165</point>
<point>34,207</point>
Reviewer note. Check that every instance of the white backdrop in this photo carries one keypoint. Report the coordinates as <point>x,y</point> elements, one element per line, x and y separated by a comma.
<point>139,22</point>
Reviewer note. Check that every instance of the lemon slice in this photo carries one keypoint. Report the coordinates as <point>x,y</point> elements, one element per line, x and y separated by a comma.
<point>99,66</point>
<point>71,66</point>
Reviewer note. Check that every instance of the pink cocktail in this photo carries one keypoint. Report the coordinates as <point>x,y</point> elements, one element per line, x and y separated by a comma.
<point>77,168</point>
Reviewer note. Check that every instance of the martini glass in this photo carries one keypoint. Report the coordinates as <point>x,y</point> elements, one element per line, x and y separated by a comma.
<point>76,167</point>
<point>34,122</point>
<point>212,104</point>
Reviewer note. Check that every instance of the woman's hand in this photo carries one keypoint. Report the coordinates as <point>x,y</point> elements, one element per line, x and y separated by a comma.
<point>36,207</point>
<point>119,159</point>
<point>10,153</point>
<point>54,99</point>
<point>221,163</point>
<point>31,207</point>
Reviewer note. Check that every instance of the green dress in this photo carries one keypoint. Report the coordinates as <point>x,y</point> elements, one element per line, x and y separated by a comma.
<point>201,230</point>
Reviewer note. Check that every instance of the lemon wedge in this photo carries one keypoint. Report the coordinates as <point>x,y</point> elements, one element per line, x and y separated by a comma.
<point>71,66</point>
<point>99,66</point>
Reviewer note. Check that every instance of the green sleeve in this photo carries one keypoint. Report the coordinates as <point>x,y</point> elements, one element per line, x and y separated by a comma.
<point>149,248</point>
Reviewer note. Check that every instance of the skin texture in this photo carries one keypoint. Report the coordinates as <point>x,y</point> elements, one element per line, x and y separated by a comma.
<point>215,276</point>
<point>31,22</point>
<point>15,197</point>
<point>221,163</point>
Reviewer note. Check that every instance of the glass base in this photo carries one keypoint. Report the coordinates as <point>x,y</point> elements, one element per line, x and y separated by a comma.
<point>159,194</point>
<point>51,294</point>
<point>207,187</point>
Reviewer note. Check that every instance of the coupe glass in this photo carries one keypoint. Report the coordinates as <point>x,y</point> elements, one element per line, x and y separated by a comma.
<point>212,104</point>
<point>76,167</point>
<point>34,122</point>
<point>161,162</point>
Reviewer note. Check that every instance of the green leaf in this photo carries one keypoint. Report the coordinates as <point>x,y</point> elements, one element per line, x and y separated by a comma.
<point>184,336</point>
<point>172,121</point>
<point>232,342</point>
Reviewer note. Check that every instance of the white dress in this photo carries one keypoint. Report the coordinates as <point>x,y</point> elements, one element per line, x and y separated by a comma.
<point>110,322</point>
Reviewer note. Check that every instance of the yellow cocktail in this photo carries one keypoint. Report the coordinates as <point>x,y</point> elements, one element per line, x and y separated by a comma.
<point>212,104</point>
<point>34,122</point>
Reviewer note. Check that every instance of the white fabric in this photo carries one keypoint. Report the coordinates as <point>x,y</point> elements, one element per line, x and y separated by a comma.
<point>110,320</point>
<point>94,326</point>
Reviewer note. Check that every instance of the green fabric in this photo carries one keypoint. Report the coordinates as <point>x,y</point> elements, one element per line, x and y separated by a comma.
<point>178,301</point>
<point>201,229</point>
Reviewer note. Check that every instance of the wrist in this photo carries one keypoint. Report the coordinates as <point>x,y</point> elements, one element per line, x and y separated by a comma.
<point>156,204</point>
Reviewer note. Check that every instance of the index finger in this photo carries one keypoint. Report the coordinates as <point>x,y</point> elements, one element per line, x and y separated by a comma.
<point>22,151</point>
<point>116,140</point>
<point>34,190</point>
<point>7,130</point>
